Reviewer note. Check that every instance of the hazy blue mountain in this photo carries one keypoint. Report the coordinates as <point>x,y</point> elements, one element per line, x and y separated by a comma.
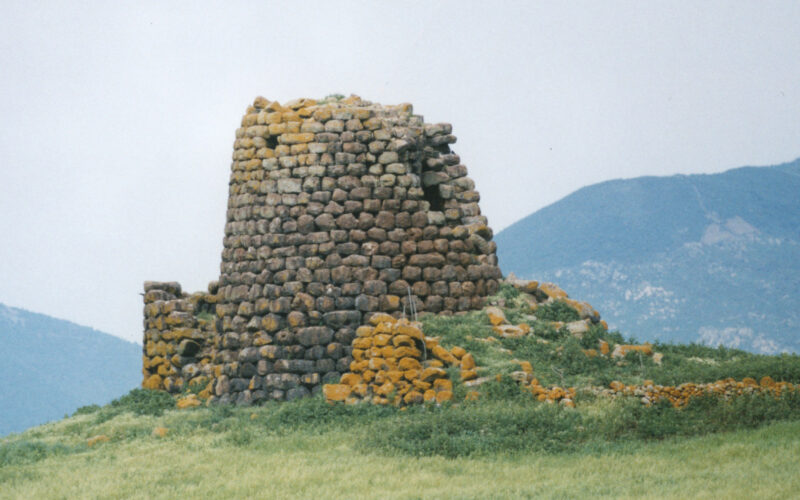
<point>712,258</point>
<point>51,367</point>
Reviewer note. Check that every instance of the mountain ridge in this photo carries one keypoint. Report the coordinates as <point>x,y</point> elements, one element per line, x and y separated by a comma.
<point>652,254</point>
<point>53,366</point>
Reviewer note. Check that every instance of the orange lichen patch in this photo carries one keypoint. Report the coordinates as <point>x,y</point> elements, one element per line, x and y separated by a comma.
<point>443,396</point>
<point>604,347</point>
<point>590,353</point>
<point>431,374</point>
<point>362,343</point>
<point>681,395</point>
<point>458,352</point>
<point>384,389</point>
<point>365,331</point>
<point>766,381</point>
<point>188,401</point>
<point>409,364</point>
<point>351,379</point>
<point>509,331</point>
<point>153,382</point>
<point>381,339</point>
<point>621,350</point>
<point>419,384</point>
<point>405,328</point>
<point>496,316</point>
<point>553,291</point>
<point>467,362</point>
<point>101,438</point>
<point>525,365</point>
<point>405,351</point>
<point>402,340</point>
<point>444,355</point>
<point>376,363</point>
<point>442,384</point>
<point>359,366</point>
<point>468,375</point>
<point>207,392</point>
<point>336,392</point>
<point>389,364</point>
<point>413,397</point>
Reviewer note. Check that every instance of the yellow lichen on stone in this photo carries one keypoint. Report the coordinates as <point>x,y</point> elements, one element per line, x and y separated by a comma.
<point>496,316</point>
<point>553,291</point>
<point>458,352</point>
<point>153,382</point>
<point>443,396</point>
<point>468,362</point>
<point>379,318</point>
<point>336,392</point>
<point>444,355</point>
<point>188,401</point>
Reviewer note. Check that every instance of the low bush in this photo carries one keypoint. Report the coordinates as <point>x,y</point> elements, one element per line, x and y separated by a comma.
<point>557,311</point>
<point>479,429</point>
<point>141,402</point>
<point>515,425</point>
<point>30,451</point>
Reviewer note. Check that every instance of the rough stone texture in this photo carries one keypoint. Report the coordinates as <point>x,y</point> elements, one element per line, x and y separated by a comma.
<point>337,210</point>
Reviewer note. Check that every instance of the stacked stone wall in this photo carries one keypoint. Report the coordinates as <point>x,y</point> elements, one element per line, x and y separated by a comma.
<point>337,210</point>
<point>178,338</point>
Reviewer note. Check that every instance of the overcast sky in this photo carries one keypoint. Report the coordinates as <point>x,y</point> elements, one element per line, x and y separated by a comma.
<point>118,118</point>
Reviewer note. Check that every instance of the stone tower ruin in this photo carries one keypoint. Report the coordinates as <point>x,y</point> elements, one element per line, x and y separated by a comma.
<point>337,209</point>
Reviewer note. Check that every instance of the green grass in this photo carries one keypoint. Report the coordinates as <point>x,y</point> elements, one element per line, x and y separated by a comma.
<point>308,449</point>
<point>505,445</point>
<point>558,359</point>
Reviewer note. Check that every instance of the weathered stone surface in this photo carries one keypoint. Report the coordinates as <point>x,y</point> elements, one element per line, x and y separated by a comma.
<point>336,211</point>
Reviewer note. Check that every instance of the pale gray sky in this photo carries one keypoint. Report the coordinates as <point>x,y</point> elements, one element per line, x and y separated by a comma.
<point>118,118</point>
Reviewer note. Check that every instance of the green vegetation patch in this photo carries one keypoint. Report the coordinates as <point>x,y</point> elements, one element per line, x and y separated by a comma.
<point>30,451</point>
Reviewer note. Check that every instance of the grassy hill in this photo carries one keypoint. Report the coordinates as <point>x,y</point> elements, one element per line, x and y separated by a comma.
<point>503,443</point>
<point>712,258</point>
<point>51,367</point>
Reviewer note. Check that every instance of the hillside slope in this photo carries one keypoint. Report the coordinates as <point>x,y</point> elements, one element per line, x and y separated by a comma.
<point>713,258</point>
<point>51,367</point>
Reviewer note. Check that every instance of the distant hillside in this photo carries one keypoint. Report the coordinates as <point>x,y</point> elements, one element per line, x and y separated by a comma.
<point>712,258</point>
<point>51,367</point>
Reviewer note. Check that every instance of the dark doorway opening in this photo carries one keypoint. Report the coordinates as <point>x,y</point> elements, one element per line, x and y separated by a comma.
<point>434,197</point>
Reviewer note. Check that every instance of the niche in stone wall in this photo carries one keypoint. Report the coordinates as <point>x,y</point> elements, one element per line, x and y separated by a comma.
<point>434,197</point>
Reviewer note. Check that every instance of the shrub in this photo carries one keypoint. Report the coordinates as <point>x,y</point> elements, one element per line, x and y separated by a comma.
<point>480,429</point>
<point>26,452</point>
<point>86,410</point>
<point>557,311</point>
<point>143,402</point>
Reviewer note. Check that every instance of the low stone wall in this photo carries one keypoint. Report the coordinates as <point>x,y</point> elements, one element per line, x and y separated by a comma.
<point>178,338</point>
